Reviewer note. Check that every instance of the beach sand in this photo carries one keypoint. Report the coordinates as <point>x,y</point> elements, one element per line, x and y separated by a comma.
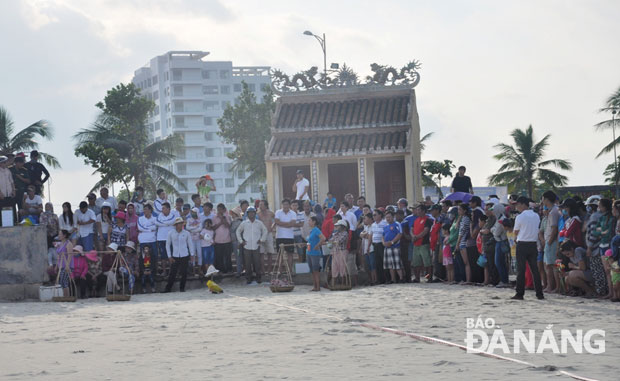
<point>252,334</point>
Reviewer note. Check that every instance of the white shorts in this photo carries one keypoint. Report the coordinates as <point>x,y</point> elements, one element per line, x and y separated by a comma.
<point>268,247</point>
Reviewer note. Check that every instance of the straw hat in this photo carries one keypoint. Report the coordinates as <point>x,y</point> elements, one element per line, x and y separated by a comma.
<point>341,223</point>
<point>79,249</point>
<point>179,220</point>
<point>131,245</point>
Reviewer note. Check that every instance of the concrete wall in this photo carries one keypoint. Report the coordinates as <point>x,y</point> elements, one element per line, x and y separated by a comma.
<point>23,261</point>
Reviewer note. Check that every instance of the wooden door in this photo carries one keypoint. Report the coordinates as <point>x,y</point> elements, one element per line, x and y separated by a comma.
<point>390,182</point>
<point>343,179</point>
<point>289,174</point>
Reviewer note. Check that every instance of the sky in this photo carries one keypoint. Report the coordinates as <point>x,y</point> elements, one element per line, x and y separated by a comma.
<point>488,67</point>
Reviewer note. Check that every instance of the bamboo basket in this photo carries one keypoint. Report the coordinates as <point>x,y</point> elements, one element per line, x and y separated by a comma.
<point>72,286</point>
<point>282,272</point>
<point>119,261</point>
<point>345,282</point>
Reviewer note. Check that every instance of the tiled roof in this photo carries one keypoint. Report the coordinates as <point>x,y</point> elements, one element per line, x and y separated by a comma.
<point>338,144</point>
<point>347,113</point>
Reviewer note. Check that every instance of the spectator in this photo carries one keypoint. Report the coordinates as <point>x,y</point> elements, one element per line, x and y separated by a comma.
<point>461,183</point>
<point>573,222</point>
<point>377,242</point>
<point>251,234</point>
<point>420,236</point>
<point>67,222</point>
<point>339,252</point>
<point>119,231</point>
<point>32,204</point>
<point>604,232</point>
<point>315,240</point>
<point>21,179</point>
<point>391,243</point>
<point>50,220</point>
<point>222,240</point>
<point>550,236</point>
<point>138,201</point>
<point>502,247</point>
<point>464,236</point>
<point>104,222</point>
<point>178,206</point>
<point>526,230</point>
<point>85,220</point>
<point>37,170</point>
<point>330,201</point>
<point>267,218</point>
<point>147,236</point>
<point>197,202</point>
<point>7,186</point>
<point>92,203</point>
<point>165,224</point>
<point>578,274</point>
<point>132,223</point>
<point>361,201</point>
<point>179,245</point>
<point>286,221</point>
<point>79,269</point>
<point>301,187</point>
<point>298,238</point>
<point>193,225</point>
<point>206,245</point>
<point>105,197</point>
<point>159,202</point>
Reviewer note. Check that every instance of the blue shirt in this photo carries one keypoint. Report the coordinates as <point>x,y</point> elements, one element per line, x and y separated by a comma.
<point>358,213</point>
<point>408,222</point>
<point>330,202</point>
<point>313,240</point>
<point>391,231</point>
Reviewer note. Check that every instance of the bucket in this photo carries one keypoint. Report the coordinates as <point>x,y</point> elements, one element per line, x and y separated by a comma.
<point>7,217</point>
<point>302,268</point>
<point>46,293</point>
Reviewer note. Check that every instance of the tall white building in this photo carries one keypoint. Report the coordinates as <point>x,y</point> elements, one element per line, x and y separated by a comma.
<point>190,94</point>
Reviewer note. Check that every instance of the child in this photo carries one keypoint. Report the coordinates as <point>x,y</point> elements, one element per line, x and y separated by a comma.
<point>615,275</point>
<point>208,254</point>
<point>447,254</point>
<point>193,226</point>
<point>367,248</point>
<point>145,267</point>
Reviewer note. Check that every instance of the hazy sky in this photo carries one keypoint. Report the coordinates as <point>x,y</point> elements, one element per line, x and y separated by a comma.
<point>488,66</point>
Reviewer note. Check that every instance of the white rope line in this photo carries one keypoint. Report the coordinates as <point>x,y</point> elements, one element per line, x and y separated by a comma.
<point>414,336</point>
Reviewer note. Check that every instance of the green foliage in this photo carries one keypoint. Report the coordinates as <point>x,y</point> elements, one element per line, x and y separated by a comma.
<point>117,144</point>
<point>247,125</point>
<point>610,172</point>
<point>434,171</point>
<point>523,167</point>
<point>12,141</point>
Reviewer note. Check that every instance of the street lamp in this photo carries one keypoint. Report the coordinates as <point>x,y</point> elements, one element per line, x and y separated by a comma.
<point>324,48</point>
<point>614,111</point>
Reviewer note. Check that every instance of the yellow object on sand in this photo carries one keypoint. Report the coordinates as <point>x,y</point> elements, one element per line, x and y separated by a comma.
<point>214,287</point>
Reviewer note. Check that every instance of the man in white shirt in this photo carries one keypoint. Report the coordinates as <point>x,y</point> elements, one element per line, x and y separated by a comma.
<point>377,242</point>
<point>159,202</point>
<point>105,197</point>
<point>165,223</point>
<point>348,215</point>
<point>85,219</point>
<point>179,245</point>
<point>285,220</point>
<point>526,230</point>
<point>301,187</point>
<point>250,235</point>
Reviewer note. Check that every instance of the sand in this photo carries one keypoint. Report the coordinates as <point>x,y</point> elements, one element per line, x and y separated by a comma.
<point>249,333</point>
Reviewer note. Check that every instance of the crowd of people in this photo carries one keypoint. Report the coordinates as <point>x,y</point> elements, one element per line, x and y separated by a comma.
<point>552,246</point>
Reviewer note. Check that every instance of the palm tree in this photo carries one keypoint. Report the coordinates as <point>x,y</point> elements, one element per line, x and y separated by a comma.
<point>523,165</point>
<point>142,162</point>
<point>612,105</point>
<point>23,141</point>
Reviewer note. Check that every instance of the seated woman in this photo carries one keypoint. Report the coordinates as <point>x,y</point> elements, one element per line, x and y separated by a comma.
<point>578,275</point>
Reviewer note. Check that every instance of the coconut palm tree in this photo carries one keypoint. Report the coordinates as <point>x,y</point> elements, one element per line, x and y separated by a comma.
<point>12,142</point>
<point>523,166</point>
<point>612,106</point>
<point>131,156</point>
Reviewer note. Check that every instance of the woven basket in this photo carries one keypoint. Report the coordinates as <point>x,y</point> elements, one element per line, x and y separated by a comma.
<point>64,299</point>
<point>340,287</point>
<point>118,298</point>
<point>281,288</point>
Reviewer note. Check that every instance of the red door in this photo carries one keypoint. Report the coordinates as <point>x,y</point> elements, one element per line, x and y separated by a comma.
<point>343,179</point>
<point>390,182</point>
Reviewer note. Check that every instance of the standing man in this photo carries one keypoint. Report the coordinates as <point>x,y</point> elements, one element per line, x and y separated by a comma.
<point>461,183</point>
<point>301,187</point>
<point>21,178</point>
<point>266,216</point>
<point>222,240</point>
<point>138,201</point>
<point>159,201</point>
<point>36,172</point>
<point>391,243</point>
<point>420,235</point>
<point>105,197</point>
<point>526,231</point>
<point>286,220</point>
<point>179,244</point>
<point>86,219</point>
<point>251,234</point>
<point>165,223</point>
<point>147,234</point>
<point>7,187</point>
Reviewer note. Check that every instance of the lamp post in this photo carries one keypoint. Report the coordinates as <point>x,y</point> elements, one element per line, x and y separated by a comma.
<point>324,48</point>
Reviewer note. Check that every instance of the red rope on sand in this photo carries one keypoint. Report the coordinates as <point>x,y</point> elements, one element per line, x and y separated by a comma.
<point>421,338</point>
